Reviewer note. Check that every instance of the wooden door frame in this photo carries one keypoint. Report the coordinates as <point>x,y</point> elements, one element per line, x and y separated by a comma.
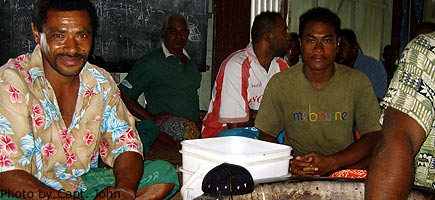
<point>231,30</point>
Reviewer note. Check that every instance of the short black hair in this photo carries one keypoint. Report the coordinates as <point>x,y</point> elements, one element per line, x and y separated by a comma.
<point>349,35</point>
<point>319,14</point>
<point>264,22</point>
<point>41,8</point>
<point>294,35</point>
<point>389,47</point>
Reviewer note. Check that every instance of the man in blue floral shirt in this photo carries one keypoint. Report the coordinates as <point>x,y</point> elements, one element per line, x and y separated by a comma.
<point>59,114</point>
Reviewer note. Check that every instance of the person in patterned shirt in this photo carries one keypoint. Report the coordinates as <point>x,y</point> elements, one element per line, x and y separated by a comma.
<point>59,114</point>
<point>405,154</point>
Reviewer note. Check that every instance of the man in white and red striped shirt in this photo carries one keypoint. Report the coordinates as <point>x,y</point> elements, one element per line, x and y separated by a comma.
<point>243,76</point>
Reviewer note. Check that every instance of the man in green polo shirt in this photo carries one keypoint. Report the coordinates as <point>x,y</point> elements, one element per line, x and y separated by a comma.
<point>169,79</point>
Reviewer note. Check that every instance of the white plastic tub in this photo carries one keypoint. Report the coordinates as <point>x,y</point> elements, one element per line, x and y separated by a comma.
<point>192,185</point>
<point>262,159</point>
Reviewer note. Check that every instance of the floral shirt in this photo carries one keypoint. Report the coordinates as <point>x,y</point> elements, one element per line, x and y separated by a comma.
<point>412,91</point>
<point>33,135</point>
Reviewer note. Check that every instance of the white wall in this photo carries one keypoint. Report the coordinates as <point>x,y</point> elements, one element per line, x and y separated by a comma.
<point>369,19</point>
<point>429,11</point>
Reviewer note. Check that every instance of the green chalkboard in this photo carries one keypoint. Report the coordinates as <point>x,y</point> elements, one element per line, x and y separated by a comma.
<point>128,29</point>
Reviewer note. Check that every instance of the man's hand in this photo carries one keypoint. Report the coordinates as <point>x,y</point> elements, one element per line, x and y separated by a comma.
<point>161,116</point>
<point>312,164</point>
<point>139,111</point>
<point>202,114</point>
<point>107,193</point>
<point>111,193</point>
<point>303,166</point>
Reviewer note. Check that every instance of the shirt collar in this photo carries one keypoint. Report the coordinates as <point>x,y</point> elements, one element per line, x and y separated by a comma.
<point>35,64</point>
<point>36,58</point>
<point>251,53</point>
<point>167,53</point>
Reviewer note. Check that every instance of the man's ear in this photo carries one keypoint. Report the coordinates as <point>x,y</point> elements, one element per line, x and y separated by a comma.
<point>36,34</point>
<point>357,45</point>
<point>300,44</point>
<point>162,32</point>
<point>268,36</point>
<point>338,44</point>
<point>356,48</point>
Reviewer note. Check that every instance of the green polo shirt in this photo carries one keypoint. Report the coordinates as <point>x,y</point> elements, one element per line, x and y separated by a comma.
<point>168,87</point>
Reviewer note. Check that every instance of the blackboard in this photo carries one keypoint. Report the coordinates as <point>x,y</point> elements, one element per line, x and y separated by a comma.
<point>128,29</point>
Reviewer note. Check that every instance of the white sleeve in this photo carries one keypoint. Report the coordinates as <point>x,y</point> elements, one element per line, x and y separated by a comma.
<point>234,108</point>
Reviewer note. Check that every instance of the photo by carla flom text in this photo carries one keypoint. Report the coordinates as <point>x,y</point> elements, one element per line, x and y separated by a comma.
<point>23,194</point>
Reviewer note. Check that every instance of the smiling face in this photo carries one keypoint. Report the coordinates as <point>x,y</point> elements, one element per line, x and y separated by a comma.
<point>319,45</point>
<point>65,41</point>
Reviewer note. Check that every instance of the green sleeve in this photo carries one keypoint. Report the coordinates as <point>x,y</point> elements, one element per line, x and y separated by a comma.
<point>270,114</point>
<point>137,79</point>
<point>368,110</point>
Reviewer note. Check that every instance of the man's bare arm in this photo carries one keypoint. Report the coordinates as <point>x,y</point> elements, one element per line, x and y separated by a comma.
<point>249,123</point>
<point>266,137</point>
<point>128,170</point>
<point>239,125</point>
<point>391,170</point>
<point>136,109</point>
<point>356,154</point>
<point>19,182</point>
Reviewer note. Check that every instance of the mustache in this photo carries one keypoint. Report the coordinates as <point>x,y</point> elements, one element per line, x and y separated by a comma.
<point>76,55</point>
<point>317,57</point>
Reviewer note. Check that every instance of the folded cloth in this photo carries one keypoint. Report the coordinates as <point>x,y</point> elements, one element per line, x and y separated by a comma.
<point>154,172</point>
<point>178,128</point>
<point>148,132</point>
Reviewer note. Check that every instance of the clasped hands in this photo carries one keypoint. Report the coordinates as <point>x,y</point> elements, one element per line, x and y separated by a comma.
<point>312,164</point>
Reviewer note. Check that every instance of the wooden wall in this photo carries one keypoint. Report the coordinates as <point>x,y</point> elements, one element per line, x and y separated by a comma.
<point>231,31</point>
